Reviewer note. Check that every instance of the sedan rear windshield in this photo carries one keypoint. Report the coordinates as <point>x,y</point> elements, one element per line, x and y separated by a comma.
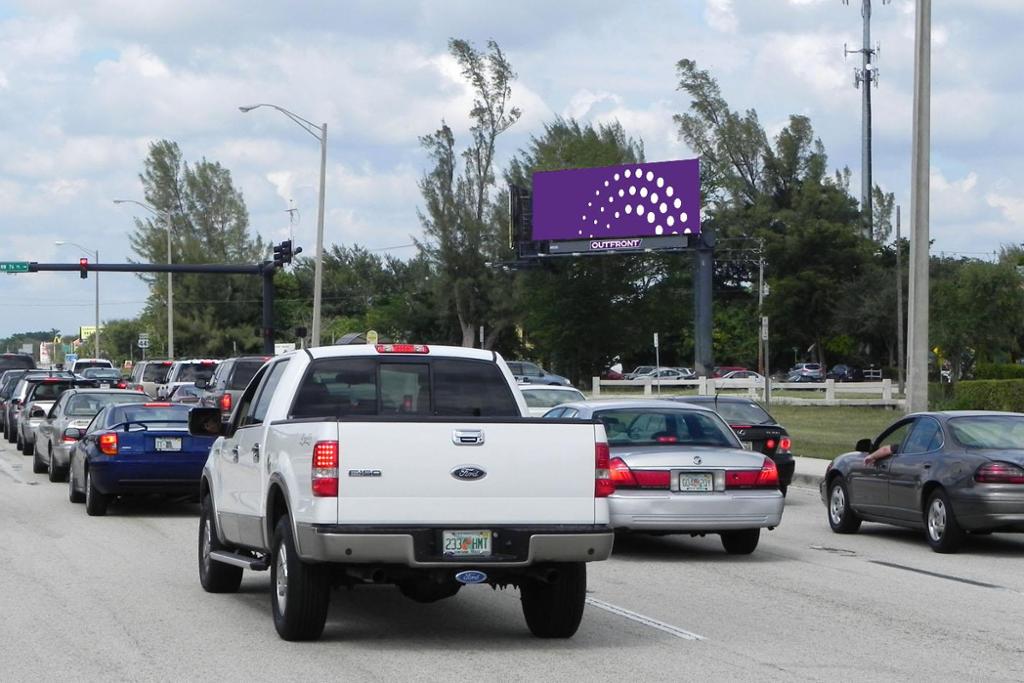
<point>48,391</point>
<point>81,365</point>
<point>10,361</point>
<point>87,405</point>
<point>336,387</point>
<point>102,373</point>
<point>989,431</point>
<point>149,415</point>
<point>742,413</point>
<point>668,427</point>
<point>549,398</point>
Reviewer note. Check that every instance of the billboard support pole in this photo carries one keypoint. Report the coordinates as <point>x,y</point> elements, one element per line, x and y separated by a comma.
<point>704,359</point>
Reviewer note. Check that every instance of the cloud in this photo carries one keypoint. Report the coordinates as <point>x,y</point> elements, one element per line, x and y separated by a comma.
<point>720,15</point>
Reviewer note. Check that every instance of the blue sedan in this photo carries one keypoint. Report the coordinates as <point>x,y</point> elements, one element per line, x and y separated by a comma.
<point>139,448</point>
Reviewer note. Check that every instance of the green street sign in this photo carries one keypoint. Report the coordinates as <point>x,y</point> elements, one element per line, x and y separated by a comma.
<point>13,266</point>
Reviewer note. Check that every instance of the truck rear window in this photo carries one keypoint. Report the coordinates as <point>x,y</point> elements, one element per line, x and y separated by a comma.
<point>243,372</point>
<point>156,372</point>
<point>337,387</point>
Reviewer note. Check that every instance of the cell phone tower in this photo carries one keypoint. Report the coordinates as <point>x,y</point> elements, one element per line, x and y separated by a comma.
<point>867,75</point>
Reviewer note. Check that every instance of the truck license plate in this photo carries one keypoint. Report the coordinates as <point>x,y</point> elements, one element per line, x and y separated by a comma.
<point>168,444</point>
<point>700,481</point>
<point>466,543</point>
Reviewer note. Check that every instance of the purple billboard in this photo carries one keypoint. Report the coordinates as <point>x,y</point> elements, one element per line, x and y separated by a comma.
<point>637,200</point>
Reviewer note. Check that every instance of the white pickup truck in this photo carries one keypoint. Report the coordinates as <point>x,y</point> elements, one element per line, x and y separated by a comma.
<point>406,465</point>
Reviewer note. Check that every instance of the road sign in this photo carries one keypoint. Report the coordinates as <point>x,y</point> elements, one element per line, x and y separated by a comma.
<point>70,358</point>
<point>143,343</point>
<point>13,266</point>
<point>764,328</point>
<point>655,340</point>
<point>372,337</point>
<point>143,335</point>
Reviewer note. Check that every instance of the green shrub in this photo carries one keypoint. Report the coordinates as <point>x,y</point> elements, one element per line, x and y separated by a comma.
<point>988,394</point>
<point>998,371</point>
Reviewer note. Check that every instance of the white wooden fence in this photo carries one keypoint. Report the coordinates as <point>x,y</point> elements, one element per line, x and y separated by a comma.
<point>827,393</point>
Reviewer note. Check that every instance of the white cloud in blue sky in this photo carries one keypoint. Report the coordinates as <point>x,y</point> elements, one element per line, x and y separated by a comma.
<point>86,87</point>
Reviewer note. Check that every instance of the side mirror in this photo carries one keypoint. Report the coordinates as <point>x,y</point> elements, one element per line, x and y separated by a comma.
<point>16,402</point>
<point>864,446</point>
<point>201,383</point>
<point>73,434</point>
<point>205,422</point>
<point>37,412</point>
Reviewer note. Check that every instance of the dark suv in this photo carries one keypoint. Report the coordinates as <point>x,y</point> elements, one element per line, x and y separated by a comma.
<point>755,428</point>
<point>228,382</point>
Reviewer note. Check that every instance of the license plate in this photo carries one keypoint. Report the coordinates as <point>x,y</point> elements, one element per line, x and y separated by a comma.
<point>105,385</point>
<point>466,543</point>
<point>747,445</point>
<point>168,444</point>
<point>700,481</point>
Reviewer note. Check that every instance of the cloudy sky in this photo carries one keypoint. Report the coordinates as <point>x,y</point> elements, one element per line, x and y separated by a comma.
<point>85,87</point>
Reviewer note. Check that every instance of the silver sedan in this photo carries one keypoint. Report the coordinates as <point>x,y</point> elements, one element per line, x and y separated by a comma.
<point>66,422</point>
<point>679,468</point>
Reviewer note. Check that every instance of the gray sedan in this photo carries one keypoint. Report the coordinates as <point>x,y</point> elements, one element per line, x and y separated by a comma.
<point>65,424</point>
<point>679,469</point>
<point>949,473</point>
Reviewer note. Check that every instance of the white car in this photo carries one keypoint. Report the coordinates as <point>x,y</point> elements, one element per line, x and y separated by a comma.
<point>186,371</point>
<point>81,364</point>
<point>748,375</point>
<point>541,399</point>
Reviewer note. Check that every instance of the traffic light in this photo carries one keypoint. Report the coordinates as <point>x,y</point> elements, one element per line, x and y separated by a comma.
<point>283,253</point>
<point>278,251</point>
<point>83,268</point>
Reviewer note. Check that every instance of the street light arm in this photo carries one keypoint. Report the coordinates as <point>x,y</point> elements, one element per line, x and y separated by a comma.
<point>306,125</point>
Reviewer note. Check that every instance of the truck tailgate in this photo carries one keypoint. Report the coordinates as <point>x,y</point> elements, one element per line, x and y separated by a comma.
<point>535,472</point>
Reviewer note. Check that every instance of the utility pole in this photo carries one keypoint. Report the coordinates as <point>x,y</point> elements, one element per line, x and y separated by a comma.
<point>917,377</point>
<point>867,75</point>
<point>901,352</point>
<point>760,306</point>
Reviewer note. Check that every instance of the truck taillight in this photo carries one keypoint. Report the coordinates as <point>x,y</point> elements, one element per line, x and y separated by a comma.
<point>325,469</point>
<point>765,478</point>
<point>603,484</point>
<point>108,444</point>
<point>225,402</point>
<point>403,348</point>
<point>999,473</point>
<point>625,478</point>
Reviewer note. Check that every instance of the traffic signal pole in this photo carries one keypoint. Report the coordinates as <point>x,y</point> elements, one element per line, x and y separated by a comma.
<point>265,270</point>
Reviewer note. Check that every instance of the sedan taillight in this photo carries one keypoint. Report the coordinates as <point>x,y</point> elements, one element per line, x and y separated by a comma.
<point>625,478</point>
<point>765,478</point>
<point>999,473</point>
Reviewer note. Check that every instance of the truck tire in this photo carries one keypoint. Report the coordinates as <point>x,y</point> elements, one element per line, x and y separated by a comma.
<point>95,502</point>
<point>553,609</point>
<point>300,591</point>
<point>215,577</point>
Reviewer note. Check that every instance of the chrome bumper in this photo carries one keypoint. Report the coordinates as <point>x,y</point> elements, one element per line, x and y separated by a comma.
<point>695,512</point>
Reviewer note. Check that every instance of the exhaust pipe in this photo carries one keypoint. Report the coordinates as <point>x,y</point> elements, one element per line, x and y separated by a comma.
<point>367,574</point>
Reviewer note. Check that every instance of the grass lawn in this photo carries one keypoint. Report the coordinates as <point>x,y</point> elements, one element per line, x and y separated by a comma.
<point>825,432</point>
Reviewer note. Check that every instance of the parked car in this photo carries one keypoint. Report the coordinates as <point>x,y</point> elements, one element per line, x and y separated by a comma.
<point>228,382</point>
<point>16,361</point>
<point>39,397</point>
<point>680,469</point>
<point>13,406</point>
<point>82,364</point>
<point>813,370</point>
<point>186,371</point>
<point>950,474</point>
<point>139,448</point>
<point>722,370</point>
<point>147,375</point>
<point>796,377</point>
<point>106,378</point>
<point>666,374</point>
<point>66,422</point>
<point>845,373</point>
<point>639,370</point>
<point>530,373</point>
<point>749,375</point>
<point>756,429</point>
<point>541,399</point>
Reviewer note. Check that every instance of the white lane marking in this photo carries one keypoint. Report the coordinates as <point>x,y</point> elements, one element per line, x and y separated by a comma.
<point>646,621</point>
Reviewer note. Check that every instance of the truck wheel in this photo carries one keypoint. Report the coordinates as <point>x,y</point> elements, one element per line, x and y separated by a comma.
<point>740,542</point>
<point>215,577</point>
<point>95,502</point>
<point>300,591</point>
<point>554,609</point>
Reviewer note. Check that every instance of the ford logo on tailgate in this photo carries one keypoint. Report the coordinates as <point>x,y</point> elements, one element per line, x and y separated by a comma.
<point>468,473</point>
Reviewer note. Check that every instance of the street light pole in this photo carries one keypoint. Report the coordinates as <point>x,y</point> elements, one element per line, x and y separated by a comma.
<point>96,334</point>
<point>166,216</point>
<point>320,133</point>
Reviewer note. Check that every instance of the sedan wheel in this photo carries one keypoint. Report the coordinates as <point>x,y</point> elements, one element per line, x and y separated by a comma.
<point>95,502</point>
<point>841,516</point>
<point>941,528</point>
<point>74,495</point>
